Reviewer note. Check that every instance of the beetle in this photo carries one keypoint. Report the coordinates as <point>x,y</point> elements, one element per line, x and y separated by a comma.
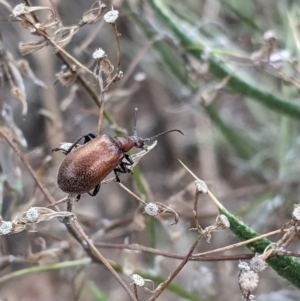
<point>87,164</point>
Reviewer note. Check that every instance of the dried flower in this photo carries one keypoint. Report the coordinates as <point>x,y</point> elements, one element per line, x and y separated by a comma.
<point>18,10</point>
<point>223,221</point>
<point>111,16</point>
<point>32,215</point>
<point>68,76</point>
<point>201,186</point>
<point>243,266</point>
<point>151,209</point>
<point>98,54</point>
<point>27,48</point>
<point>6,228</point>
<point>257,264</point>
<point>138,280</point>
<point>296,212</point>
<point>248,282</point>
<point>92,15</point>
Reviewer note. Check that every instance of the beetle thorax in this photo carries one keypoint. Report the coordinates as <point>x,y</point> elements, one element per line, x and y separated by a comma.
<point>129,142</point>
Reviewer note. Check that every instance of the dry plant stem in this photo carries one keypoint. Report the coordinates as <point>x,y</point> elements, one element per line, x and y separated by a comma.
<point>81,80</point>
<point>135,291</point>
<point>195,210</point>
<point>101,110</point>
<point>245,242</point>
<point>118,58</point>
<point>114,25</point>
<point>164,285</point>
<point>46,193</point>
<point>290,239</point>
<point>101,259</point>
<point>131,193</point>
<point>136,247</point>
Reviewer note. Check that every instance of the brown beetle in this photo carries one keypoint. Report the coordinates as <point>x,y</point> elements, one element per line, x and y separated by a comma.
<point>86,165</point>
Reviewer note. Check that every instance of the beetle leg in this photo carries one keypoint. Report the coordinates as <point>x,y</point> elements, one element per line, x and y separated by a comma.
<point>78,197</point>
<point>116,175</point>
<point>95,191</point>
<point>87,138</point>
<point>128,158</point>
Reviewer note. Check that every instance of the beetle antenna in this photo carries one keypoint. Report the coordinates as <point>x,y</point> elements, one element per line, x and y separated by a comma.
<point>135,122</point>
<point>165,132</point>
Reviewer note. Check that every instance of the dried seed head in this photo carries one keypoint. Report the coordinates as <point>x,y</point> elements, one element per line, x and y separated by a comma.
<point>201,186</point>
<point>98,54</point>
<point>6,228</point>
<point>18,10</point>
<point>151,209</point>
<point>138,280</point>
<point>92,15</point>
<point>296,212</point>
<point>32,215</point>
<point>248,281</point>
<point>243,266</point>
<point>257,264</point>
<point>223,221</point>
<point>111,16</point>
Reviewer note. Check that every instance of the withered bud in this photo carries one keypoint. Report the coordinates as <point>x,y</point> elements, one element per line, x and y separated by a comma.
<point>6,228</point>
<point>92,15</point>
<point>111,16</point>
<point>222,221</point>
<point>153,209</point>
<point>248,282</point>
<point>99,54</point>
<point>243,266</point>
<point>32,215</point>
<point>257,264</point>
<point>27,48</point>
<point>67,77</point>
<point>138,280</point>
<point>201,186</point>
<point>296,212</point>
<point>22,9</point>
<point>45,214</point>
<point>63,36</point>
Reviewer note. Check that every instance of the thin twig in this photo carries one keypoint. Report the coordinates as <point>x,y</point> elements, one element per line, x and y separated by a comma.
<point>164,285</point>
<point>242,243</point>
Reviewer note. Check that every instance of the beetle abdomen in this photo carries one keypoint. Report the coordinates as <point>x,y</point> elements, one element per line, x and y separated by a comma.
<point>87,166</point>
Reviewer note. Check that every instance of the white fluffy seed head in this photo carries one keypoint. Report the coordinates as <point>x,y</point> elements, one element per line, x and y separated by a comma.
<point>98,54</point>
<point>224,222</point>
<point>111,16</point>
<point>243,266</point>
<point>18,10</point>
<point>296,212</point>
<point>138,280</point>
<point>201,186</point>
<point>248,281</point>
<point>5,228</point>
<point>32,215</point>
<point>151,209</point>
<point>257,264</point>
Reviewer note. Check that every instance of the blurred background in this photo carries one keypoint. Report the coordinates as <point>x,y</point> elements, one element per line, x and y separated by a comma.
<point>226,73</point>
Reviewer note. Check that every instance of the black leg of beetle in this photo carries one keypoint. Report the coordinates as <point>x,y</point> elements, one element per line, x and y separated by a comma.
<point>128,158</point>
<point>95,191</point>
<point>87,138</point>
<point>116,175</point>
<point>78,197</point>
